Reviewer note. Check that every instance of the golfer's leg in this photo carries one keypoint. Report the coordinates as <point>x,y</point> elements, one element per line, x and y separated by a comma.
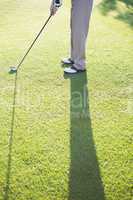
<point>80,17</point>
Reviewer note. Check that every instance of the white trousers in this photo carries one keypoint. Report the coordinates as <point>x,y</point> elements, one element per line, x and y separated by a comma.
<point>80,18</point>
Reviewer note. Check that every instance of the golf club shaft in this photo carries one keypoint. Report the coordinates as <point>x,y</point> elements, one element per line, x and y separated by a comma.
<point>33,42</point>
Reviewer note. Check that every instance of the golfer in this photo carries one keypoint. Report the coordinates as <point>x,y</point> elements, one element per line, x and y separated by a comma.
<point>80,18</point>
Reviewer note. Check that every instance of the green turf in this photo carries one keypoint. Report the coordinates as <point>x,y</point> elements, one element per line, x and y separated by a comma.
<point>72,135</point>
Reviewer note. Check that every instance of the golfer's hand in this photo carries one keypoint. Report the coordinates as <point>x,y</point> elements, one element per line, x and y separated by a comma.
<point>53,9</point>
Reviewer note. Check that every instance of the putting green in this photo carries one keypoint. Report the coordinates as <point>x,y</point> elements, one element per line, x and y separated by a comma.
<point>72,135</point>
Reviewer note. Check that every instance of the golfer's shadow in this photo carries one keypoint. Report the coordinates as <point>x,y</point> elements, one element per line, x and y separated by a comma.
<point>85,180</point>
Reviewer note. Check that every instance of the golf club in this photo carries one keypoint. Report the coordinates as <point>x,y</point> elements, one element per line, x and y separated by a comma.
<point>14,69</point>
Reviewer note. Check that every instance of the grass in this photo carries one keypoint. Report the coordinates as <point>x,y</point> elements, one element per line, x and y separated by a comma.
<point>122,10</point>
<point>72,136</point>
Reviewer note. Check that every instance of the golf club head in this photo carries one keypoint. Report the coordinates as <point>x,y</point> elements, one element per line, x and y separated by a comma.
<point>13,70</point>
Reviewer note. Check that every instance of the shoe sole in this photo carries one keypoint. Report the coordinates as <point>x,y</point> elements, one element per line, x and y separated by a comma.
<point>78,71</point>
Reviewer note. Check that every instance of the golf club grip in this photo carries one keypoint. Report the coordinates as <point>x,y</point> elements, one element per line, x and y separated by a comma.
<point>57,3</point>
<point>33,42</point>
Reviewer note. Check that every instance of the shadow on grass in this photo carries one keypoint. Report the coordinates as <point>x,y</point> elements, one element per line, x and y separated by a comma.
<point>85,180</point>
<point>125,15</point>
<point>9,161</point>
<point>107,6</point>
